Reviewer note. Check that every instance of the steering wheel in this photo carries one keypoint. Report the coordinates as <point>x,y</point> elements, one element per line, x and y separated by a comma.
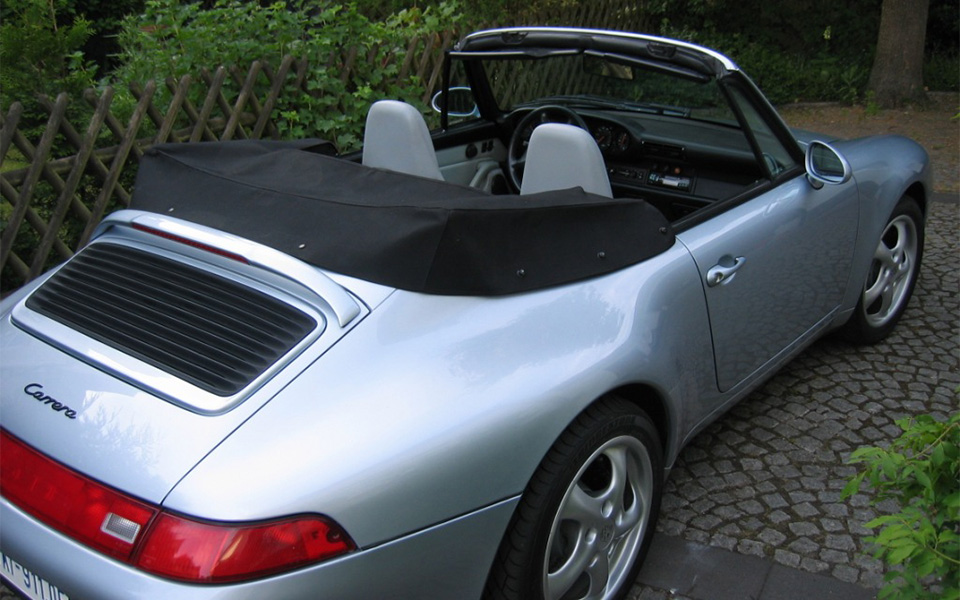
<point>520,139</point>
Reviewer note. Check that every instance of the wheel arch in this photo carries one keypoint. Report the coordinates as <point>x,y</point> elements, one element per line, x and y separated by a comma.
<point>918,192</point>
<point>653,402</point>
<point>881,185</point>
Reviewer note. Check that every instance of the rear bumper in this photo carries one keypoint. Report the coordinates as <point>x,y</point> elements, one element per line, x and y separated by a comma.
<point>449,560</point>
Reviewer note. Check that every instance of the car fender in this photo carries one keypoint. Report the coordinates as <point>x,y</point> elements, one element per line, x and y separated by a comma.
<point>885,168</point>
<point>436,406</point>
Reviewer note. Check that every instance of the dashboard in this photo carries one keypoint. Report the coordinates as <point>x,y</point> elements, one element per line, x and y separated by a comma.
<point>679,165</point>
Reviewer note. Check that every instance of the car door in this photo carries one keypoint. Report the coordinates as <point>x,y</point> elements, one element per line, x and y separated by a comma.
<point>773,268</point>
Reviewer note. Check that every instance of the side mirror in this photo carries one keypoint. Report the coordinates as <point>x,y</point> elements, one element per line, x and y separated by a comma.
<point>460,102</point>
<point>826,166</point>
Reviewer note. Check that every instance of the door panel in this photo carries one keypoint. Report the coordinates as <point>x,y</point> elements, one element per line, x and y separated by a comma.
<point>771,269</point>
<point>474,164</point>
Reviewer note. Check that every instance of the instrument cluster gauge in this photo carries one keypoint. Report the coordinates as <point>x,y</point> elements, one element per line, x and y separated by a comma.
<point>604,136</point>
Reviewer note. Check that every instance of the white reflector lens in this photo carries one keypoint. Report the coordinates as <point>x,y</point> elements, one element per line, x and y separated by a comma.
<point>120,528</point>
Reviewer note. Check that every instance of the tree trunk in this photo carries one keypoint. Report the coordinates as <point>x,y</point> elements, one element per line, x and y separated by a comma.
<point>897,74</point>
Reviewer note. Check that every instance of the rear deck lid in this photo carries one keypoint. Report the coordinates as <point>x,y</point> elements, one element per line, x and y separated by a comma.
<point>98,424</point>
<point>198,326</point>
<point>143,352</point>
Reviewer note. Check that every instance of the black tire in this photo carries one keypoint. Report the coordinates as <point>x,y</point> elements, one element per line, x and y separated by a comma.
<point>891,278</point>
<point>599,547</point>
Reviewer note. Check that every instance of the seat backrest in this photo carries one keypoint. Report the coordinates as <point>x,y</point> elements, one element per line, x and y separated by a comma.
<point>396,138</point>
<point>562,156</point>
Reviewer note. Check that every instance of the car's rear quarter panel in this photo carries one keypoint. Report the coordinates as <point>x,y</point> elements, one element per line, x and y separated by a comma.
<point>436,406</point>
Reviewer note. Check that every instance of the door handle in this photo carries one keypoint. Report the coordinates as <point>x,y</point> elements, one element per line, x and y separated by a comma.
<point>723,272</point>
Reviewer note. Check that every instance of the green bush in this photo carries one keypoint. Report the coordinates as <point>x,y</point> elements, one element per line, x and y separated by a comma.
<point>920,471</point>
<point>172,38</point>
<point>941,72</point>
<point>825,70</point>
<point>41,51</point>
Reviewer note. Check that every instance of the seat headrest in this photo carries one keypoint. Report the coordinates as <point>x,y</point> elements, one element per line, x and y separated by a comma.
<point>562,156</point>
<point>396,138</point>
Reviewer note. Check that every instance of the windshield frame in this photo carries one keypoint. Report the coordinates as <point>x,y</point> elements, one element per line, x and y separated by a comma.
<point>669,55</point>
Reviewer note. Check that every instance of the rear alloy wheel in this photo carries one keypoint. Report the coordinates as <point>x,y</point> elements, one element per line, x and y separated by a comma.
<point>587,517</point>
<point>892,276</point>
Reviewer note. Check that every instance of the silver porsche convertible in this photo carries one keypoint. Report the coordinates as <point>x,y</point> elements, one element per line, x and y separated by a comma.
<point>457,364</point>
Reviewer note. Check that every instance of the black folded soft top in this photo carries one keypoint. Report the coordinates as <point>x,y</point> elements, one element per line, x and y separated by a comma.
<point>394,229</point>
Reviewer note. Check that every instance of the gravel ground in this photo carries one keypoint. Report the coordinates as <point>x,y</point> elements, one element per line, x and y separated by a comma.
<point>936,128</point>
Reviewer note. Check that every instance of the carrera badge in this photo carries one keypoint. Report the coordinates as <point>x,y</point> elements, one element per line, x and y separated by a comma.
<point>35,391</point>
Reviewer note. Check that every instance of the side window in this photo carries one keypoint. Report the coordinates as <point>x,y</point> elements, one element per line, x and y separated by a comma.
<point>776,156</point>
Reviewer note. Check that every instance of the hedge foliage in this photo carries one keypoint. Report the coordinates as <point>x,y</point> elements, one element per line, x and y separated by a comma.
<point>809,50</point>
<point>172,38</point>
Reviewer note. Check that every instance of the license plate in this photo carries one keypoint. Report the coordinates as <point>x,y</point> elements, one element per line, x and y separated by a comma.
<point>29,583</point>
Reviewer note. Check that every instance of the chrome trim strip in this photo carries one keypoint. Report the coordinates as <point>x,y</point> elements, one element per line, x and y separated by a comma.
<point>725,61</point>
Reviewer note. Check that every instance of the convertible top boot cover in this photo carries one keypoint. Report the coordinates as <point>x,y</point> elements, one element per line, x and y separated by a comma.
<point>395,229</point>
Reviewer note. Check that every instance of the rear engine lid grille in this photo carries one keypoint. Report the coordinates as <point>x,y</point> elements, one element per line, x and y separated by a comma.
<point>210,331</point>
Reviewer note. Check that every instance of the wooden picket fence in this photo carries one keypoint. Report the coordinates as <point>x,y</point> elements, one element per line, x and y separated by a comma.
<point>74,175</point>
<point>54,204</point>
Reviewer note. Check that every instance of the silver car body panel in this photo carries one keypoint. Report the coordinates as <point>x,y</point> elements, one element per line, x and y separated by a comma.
<point>122,434</point>
<point>881,184</point>
<point>433,405</point>
<point>437,403</point>
<point>789,279</point>
<point>125,403</point>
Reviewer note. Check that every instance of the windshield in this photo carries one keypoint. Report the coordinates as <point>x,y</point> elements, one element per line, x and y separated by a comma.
<point>601,82</point>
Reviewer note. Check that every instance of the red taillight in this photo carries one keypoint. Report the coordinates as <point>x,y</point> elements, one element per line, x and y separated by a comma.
<point>85,510</point>
<point>218,553</point>
<point>156,541</point>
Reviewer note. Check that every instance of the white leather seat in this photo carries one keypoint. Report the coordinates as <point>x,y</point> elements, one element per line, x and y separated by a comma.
<point>562,156</point>
<point>396,138</point>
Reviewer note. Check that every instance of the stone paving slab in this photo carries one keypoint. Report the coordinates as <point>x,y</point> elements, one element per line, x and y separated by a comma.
<point>677,568</point>
<point>697,571</point>
<point>764,481</point>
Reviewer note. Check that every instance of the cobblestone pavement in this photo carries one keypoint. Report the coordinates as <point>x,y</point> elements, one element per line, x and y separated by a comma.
<point>765,479</point>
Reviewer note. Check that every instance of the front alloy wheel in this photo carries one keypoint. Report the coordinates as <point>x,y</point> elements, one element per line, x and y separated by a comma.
<point>892,276</point>
<point>587,517</point>
<point>892,271</point>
